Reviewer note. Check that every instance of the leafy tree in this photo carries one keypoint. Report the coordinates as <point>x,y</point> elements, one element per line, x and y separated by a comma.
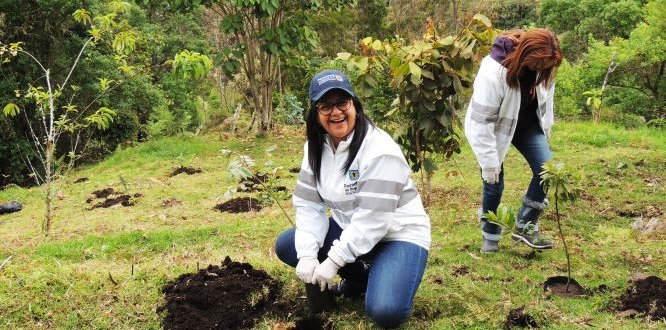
<point>53,103</point>
<point>636,85</point>
<point>430,77</point>
<point>261,33</point>
<point>576,21</point>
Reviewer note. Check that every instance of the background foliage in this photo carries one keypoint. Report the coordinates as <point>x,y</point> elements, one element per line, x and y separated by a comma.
<point>157,102</point>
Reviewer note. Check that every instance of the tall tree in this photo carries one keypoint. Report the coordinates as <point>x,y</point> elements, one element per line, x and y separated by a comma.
<point>262,32</point>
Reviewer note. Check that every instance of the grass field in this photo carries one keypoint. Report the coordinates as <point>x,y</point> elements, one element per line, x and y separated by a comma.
<point>104,268</point>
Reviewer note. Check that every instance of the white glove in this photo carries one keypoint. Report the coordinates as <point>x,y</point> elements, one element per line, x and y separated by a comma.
<point>305,268</point>
<point>491,175</point>
<point>324,274</point>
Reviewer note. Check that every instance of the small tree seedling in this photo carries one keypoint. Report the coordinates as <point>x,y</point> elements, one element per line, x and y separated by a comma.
<point>559,180</point>
<point>242,167</point>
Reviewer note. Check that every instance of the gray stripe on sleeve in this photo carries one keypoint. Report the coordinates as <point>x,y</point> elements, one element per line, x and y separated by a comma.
<point>346,206</point>
<point>307,194</point>
<point>307,178</point>
<point>377,204</point>
<point>484,114</point>
<point>407,196</point>
<point>381,186</point>
<point>504,126</point>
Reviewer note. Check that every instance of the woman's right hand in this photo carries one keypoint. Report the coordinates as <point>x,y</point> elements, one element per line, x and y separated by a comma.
<point>305,268</point>
<point>491,175</point>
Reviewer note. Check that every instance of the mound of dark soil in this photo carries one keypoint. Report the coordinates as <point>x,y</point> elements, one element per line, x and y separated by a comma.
<point>647,296</point>
<point>239,205</point>
<point>124,200</point>
<point>186,170</point>
<point>103,193</point>
<point>111,198</point>
<point>234,296</point>
<point>518,318</point>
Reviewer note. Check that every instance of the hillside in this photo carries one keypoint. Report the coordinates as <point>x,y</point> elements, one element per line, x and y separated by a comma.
<point>105,268</point>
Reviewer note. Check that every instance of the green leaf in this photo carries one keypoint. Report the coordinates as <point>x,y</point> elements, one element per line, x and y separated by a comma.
<point>483,19</point>
<point>11,110</point>
<point>82,16</point>
<point>343,56</point>
<point>429,165</point>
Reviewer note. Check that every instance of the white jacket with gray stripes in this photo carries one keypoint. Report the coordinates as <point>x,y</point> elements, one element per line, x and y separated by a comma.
<point>374,201</point>
<point>492,114</point>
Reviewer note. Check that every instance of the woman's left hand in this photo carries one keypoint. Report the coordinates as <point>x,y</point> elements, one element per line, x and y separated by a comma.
<point>324,274</point>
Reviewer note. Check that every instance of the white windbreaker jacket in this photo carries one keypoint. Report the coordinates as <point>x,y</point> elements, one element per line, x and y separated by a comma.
<point>374,201</point>
<point>492,114</point>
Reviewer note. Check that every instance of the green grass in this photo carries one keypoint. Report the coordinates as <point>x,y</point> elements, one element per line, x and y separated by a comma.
<point>104,268</point>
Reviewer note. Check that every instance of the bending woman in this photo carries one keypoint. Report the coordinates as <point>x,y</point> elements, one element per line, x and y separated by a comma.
<point>512,103</point>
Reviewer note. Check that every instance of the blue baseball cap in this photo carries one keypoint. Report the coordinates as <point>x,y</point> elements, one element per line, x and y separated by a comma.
<point>327,80</point>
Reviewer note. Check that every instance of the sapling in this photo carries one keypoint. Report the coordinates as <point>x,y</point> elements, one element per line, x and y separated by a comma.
<point>242,167</point>
<point>504,217</point>
<point>566,189</point>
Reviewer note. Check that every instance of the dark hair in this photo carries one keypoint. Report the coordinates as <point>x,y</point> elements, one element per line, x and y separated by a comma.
<point>316,136</point>
<point>532,45</point>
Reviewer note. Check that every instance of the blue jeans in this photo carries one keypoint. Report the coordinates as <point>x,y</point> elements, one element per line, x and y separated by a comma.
<point>532,144</point>
<point>392,272</point>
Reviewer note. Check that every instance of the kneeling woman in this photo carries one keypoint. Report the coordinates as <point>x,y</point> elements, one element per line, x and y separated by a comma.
<point>378,235</point>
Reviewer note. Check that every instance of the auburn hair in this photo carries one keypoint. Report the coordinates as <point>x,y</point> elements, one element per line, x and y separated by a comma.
<point>532,46</point>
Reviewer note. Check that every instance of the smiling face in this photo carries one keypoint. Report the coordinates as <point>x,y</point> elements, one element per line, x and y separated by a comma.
<point>337,115</point>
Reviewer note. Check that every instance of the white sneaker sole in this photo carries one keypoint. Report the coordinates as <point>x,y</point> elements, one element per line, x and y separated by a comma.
<point>516,237</point>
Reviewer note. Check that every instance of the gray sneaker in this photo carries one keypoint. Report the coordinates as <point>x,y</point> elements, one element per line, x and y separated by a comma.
<point>531,238</point>
<point>488,246</point>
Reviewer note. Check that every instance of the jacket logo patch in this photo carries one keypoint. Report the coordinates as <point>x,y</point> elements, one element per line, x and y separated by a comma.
<point>353,175</point>
<point>351,188</point>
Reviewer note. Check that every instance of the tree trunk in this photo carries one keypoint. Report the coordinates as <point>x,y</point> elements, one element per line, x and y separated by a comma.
<point>48,181</point>
<point>454,6</point>
<point>266,114</point>
<point>611,67</point>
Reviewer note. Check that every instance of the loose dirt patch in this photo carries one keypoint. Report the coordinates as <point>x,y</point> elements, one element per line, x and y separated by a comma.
<point>111,198</point>
<point>557,285</point>
<point>646,296</point>
<point>294,170</point>
<point>239,205</point>
<point>186,170</point>
<point>124,200</point>
<point>461,271</point>
<point>103,193</point>
<point>233,296</point>
<point>518,318</point>
<point>171,202</point>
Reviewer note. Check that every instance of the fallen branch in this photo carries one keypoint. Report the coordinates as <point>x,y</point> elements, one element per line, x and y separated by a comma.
<point>6,261</point>
<point>112,280</point>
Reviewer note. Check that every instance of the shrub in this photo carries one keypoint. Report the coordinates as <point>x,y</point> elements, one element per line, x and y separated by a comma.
<point>289,110</point>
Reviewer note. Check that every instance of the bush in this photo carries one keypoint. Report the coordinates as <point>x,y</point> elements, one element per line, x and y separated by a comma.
<point>629,120</point>
<point>568,96</point>
<point>659,123</point>
<point>289,110</point>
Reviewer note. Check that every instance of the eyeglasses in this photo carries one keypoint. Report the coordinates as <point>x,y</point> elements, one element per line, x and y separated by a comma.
<point>326,108</point>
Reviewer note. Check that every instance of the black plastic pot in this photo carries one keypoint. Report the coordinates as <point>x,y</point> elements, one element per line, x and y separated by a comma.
<point>319,301</point>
